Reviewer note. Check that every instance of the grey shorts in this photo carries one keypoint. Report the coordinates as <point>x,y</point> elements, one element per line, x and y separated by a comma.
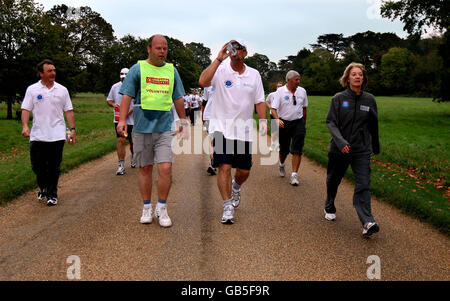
<point>153,148</point>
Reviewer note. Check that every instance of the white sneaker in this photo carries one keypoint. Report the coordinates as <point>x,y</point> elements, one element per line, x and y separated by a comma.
<point>294,180</point>
<point>228,212</point>
<point>370,228</point>
<point>163,217</point>
<point>282,171</point>
<point>146,217</point>
<point>120,171</point>
<point>52,201</point>
<point>235,197</point>
<point>329,216</point>
<point>133,162</point>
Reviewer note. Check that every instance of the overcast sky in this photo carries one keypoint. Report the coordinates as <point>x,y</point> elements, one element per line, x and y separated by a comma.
<point>275,28</point>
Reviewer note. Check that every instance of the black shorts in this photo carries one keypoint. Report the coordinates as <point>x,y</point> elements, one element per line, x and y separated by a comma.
<point>292,137</point>
<point>237,153</point>
<point>129,130</point>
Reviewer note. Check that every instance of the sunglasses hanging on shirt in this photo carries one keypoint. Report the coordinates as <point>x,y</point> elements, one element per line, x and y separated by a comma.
<point>295,101</point>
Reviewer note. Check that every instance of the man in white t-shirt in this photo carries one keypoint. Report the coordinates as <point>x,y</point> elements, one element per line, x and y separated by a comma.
<point>274,129</point>
<point>289,108</point>
<point>194,102</point>
<point>48,101</point>
<point>237,89</point>
<point>113,100</point>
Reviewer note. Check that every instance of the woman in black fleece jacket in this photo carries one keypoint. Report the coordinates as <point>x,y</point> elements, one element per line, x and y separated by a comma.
<point>353,124</point>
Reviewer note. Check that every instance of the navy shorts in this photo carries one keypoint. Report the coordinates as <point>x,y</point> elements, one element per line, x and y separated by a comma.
<point>237,153</point>
<point>292,137</point>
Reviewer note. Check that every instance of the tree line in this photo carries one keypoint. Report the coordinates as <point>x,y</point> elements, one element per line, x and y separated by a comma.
<point>88,56</point>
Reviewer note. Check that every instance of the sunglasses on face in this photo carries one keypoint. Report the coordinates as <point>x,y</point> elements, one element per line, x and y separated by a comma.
<point>238,47</point>
<point>123,73</point>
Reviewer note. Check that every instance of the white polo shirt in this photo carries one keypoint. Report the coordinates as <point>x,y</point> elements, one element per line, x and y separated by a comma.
<point>48,107</point>
<point>234,98</point>
<point>208,95</point>
<point>116,97</point>
<point>283,102</point>
<point>269,98</point>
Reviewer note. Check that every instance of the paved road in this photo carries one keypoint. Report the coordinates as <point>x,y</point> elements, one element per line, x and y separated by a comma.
<point>279,232</point>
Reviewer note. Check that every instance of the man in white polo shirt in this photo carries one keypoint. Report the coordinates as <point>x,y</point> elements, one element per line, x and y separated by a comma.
<point>274,130</point>
<point>237,89</point>
<point>47,100</point>
<point>114,100</point>
<point>289,108</point>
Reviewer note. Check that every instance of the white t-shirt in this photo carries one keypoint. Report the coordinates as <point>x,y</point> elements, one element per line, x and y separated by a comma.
<point>234,98</point>
<point>186,101</point>
<point>116,97</point>
<point>194,99</point>
<point>283,102</point>
<point>208,95</point>
<point>48,107</point>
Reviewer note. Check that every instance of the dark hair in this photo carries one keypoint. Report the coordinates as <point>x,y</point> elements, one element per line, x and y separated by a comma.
<point>40,66</point>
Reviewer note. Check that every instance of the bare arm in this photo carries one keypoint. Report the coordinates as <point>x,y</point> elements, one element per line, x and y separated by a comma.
<point>122,126</point>
<point>208,73</point>
<point>25,118</point>
<point>71,120</point>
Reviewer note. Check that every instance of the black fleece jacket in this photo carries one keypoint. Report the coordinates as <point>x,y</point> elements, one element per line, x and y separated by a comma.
<point>353,119</point>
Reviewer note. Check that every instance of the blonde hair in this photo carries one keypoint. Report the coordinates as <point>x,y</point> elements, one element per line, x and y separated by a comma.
<point>346,75</point>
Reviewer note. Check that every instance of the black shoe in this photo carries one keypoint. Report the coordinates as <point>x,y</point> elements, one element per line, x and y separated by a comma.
<point>211,171</point>
<point>370,228</point>
<point>41,195</point>
<point>52,201</point>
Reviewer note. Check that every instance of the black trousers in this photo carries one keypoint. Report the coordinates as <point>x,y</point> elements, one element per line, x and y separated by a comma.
<point>337,165</point>
<point>46,159</point>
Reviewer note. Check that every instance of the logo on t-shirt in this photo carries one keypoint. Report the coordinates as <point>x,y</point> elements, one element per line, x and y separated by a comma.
<point>345,103</point>
<point>228,84</point>
<point>286,98</point>
<point>39,97</point>
<point>157,81</point>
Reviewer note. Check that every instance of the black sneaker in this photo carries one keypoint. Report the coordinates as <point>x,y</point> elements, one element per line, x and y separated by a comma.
<point>41,195</point>
<point>52,201</point>
<point>211,171</point>
<point>370,228</point>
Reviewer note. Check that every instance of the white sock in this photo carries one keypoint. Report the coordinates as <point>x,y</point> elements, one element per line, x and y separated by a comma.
<point>235,185</point>
<point>147,206</point>
<point>282,165</point>
<point>227,202</point>
<point>294,173</point>
<point>160,205</point>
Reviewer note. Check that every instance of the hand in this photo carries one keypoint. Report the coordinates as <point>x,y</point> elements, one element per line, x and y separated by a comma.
<point>223,52</point>
<point>346,149</point>
<point>122,128</point>
<point>263,127</point>
<point>280,123</point>
<point>184,130</point>
<point>25,131</point>
<point>116,105</point>
<point>72,137</point>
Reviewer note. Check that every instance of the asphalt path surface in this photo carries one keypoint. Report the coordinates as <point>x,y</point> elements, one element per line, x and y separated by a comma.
<point>279,233</point>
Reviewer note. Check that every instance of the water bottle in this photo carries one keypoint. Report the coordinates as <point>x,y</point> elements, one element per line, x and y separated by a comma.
<point>68,135</point>
<point>231,49</point>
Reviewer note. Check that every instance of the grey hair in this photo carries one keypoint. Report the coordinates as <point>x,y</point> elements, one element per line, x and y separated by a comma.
<point>291,74</point>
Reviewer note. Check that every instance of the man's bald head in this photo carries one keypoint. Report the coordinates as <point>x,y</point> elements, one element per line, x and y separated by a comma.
<point>156,38</point>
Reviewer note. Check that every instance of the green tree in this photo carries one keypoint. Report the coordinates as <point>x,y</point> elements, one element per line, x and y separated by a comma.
<point>184,60</point>
<point>418,14</point>
<point>321,73</point>
<point>396,71</point>
<point>19,27</point>
<point>201,53</point>
<point>334,43</point>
